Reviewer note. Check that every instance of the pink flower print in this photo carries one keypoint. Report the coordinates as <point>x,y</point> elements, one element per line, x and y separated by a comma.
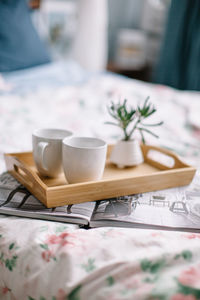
<point>196,133</point>
<point>183,297</point>
<point>60,239</point>
<point>132,283</point>
<point>113,233</point>
<point>190,277</point>
<point>156,234</point>
<point>47,255</point>
<point>61,295</point>
<point>63,235</point>
<point>53,239</point>
<point>63,241</point>
<point>191,236</point>
<point>143,291</point>
<point>5,290</point>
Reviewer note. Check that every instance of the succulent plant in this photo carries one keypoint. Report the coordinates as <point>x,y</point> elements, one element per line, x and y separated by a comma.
<point>126,115</point>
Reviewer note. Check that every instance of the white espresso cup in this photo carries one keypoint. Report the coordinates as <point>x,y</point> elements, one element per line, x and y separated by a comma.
<point>47,150</point>
<point>83,158</point>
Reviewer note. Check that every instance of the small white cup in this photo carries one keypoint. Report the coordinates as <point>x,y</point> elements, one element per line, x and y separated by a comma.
<point>47,150</point>
<point>83,159</point>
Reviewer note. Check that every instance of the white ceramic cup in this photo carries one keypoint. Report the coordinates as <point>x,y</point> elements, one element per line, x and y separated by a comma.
<point>83,159</point>
<point>47,150</point>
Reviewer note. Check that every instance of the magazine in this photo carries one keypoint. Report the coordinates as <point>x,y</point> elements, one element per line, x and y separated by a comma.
<point>170,209</point>
<point>16,200</point>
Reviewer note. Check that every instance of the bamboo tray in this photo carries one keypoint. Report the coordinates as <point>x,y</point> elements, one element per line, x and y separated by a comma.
<point>150,176</point>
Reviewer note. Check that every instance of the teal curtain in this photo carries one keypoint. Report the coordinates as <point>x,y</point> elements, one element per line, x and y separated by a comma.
<point>179,63</point>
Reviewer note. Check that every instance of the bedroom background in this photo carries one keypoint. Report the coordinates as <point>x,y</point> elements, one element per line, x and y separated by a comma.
<point>41,259</point>
<point>128,40</point>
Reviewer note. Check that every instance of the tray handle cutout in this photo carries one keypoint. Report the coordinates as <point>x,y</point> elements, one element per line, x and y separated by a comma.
<point>24,174</point>
<point>162,158</point>
<point>21,172</point>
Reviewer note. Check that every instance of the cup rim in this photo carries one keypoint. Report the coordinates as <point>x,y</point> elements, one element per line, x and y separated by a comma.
<point>66,142</point>
<point>36,133</point>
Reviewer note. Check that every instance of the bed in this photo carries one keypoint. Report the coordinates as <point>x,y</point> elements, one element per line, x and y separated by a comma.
<point>44,260</point>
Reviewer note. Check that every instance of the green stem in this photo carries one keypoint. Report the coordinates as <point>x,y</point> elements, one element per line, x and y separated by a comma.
<point>142,136</point>
<point>125,134</point>
<point>134,127</point>
<point>150,132</point>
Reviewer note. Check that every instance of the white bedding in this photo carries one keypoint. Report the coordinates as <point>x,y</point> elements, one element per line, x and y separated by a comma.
<point>41,260</point>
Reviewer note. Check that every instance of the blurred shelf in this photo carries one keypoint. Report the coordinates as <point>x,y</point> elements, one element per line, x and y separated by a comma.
<point>141,74</point>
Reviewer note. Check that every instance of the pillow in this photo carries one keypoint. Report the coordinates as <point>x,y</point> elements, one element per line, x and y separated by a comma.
<point>20,45</point>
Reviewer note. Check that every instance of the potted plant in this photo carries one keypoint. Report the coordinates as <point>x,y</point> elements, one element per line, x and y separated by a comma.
<point>127,152</point>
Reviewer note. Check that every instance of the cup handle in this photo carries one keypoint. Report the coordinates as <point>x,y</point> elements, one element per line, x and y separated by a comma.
<point>41,150</point>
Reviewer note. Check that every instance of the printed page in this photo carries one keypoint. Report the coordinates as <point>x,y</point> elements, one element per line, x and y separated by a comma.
<point>177,208</point>
<point>17,200</point>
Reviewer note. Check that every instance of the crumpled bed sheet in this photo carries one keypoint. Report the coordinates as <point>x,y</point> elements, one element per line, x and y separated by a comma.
<point>50,260</point>
<point>43,260</point>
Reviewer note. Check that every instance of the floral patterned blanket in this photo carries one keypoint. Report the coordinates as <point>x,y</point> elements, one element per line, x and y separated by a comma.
<point>43,260</point>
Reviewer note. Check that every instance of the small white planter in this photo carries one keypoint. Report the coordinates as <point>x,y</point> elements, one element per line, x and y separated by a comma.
<point>127,154</point>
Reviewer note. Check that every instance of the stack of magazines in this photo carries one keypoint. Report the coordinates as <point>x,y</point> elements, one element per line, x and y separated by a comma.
<point>170,209</point>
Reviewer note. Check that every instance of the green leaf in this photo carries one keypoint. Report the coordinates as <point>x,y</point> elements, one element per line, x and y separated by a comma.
<point>187,290</point>
<point>111,110</point>
<point>44,246</point>
<point>61,228</point>
<point>145,265</point>
<point>43,228</point>
<point>151,279</point>
<point>2,257</point>
<point>131,114</point>
<point>125,115</point>
<point>11,263</point>
<point>177,256</point>
<point>8,265</point>
<point>157,296</point>
<point>146,100</point>
<point>11,246</point>
<point>155,267</point>
<point>111,123</point>
<point>31,298</point>
<point>147,109</point>
<point>152,267</point>
<point>119,113</point>
<point>110,280</point>
<point>152,125</point>
<point>112,115</point>
<point>89,266</point>
<point>187,254</point>
<point>148,131</point>
<point>74,295</point>
<point>81,103</point>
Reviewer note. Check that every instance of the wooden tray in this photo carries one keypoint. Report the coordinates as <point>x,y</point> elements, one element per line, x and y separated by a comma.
<point>150,176</point>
